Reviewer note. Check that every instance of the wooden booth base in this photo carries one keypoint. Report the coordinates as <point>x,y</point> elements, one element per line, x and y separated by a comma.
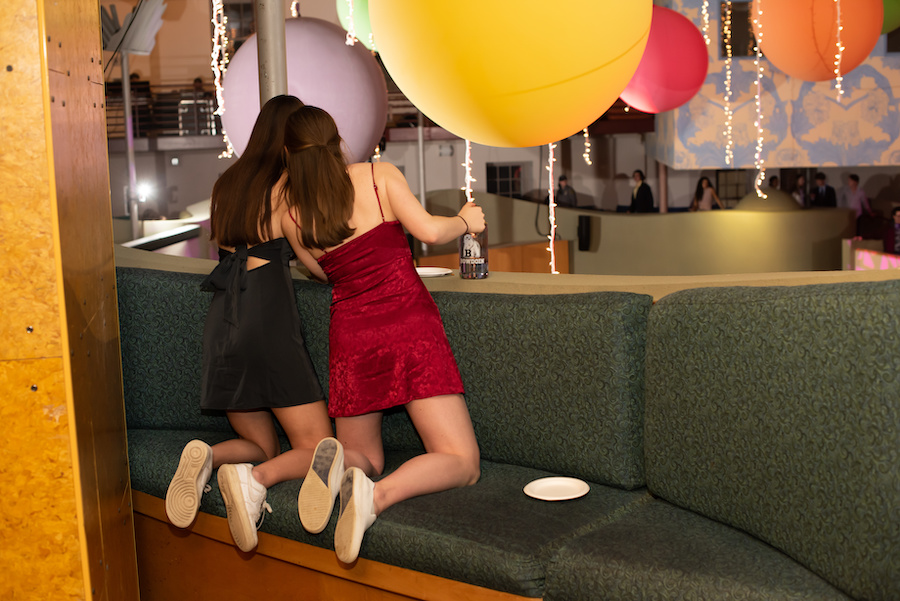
<point>201,563</point>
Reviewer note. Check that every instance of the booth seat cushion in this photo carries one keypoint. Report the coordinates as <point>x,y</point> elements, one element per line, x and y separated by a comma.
<point>659,552</point>
<point>777,410</point>
<point>490,535</point>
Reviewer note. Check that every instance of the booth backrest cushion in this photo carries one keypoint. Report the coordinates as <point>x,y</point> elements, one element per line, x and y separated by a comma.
<point>777,410</point>
<point>161,316</point>
<point>554,382</point>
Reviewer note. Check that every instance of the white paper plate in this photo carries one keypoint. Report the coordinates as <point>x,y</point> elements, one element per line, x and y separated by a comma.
<point>432,272</point>
<point>556,488</point>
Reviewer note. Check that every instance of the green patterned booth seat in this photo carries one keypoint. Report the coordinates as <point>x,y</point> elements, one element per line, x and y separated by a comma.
<point>777,411</point>
<point>740,443</point>
<point>554,384</point>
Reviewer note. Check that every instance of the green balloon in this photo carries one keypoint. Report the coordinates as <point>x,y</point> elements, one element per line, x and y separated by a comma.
<point>891,16</point>
<point>362,28</point>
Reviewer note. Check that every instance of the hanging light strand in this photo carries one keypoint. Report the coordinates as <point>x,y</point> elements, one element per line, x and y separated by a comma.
<point>552,203</point>
<point>759,162</point>
<point>839,53</point>
<point>704,19</point>
<point>587,147</point>
<point>295,8</point>
<point>351,30</point>
<point>729,114</point>
<point>469,178</point>
<point>376,156</point>
<point>219,64</point>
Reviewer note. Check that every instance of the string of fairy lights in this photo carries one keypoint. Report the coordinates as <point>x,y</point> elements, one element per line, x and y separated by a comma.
<point>704,21</point>
<point>219,64</point>
<point>586,155</point>
<point>295,8</point>
<point>759,163</point>
<point>729,57</point>
<point>469,179</point>
<point>552,205</point>
<point>839,53</point>
<point>351,28</point>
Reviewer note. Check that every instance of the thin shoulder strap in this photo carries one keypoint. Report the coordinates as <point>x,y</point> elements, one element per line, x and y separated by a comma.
<point>378,198</point>
<point>292,219</point>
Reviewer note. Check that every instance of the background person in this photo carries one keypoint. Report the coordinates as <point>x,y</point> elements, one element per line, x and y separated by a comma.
<point>565,195</point>
<point>892,233</point>
<point>799,192</point>
<point>857,198</point>
<point>822,195</point>
<point>704,196</point>
<point>641,195</point>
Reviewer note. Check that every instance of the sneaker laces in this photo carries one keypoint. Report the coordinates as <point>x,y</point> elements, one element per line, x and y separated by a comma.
<point>262,514</point>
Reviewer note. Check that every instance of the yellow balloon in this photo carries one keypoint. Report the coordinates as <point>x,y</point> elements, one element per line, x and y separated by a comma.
<point>512,74</point>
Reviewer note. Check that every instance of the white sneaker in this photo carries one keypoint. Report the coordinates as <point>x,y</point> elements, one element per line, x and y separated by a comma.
<point>357,514</point>
<point>321,485</point>
<point>245,499</point>
<point>190,481</point>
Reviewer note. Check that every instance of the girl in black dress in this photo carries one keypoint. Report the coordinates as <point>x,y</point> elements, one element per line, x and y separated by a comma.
<point>254,361</point>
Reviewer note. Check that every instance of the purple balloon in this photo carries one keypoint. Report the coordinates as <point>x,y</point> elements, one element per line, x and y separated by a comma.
<point>322,71</point>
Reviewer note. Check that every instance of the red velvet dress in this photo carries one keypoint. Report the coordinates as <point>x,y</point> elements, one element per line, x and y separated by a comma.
<point>387,344</point>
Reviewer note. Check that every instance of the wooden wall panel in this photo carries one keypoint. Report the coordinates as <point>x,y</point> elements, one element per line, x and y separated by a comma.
<point>40,542</point>
<point>77,116</point>
<point>40,551</point>
<point>28,284</point>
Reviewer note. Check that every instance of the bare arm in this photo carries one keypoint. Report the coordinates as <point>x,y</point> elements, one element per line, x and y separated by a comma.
<point>292,233</point>
<point>716,198</point>
<point>430,229</point>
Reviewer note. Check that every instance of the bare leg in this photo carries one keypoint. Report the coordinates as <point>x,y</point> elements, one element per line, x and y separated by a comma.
<point>258,440</point>
<point>361,438</point>
<point>451,459</point>
<point>305,426</point>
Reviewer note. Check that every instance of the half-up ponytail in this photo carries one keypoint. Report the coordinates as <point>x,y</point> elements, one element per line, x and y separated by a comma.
<point>241,211</point>
<point>318,185</point>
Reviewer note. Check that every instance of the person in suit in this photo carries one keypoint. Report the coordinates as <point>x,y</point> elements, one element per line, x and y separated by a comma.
<point>822,195</point>
<point>565,195</point>
<point>641,196</point>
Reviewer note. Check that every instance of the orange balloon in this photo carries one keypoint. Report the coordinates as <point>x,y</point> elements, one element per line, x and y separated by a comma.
<point>800,36</point>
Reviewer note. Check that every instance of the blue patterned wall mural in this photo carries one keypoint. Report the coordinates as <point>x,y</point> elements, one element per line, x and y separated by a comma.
<point>804,124</point>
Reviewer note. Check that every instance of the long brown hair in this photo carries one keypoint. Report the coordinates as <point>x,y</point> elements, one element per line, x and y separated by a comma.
<point>318,185</point>
<point>241,207</point>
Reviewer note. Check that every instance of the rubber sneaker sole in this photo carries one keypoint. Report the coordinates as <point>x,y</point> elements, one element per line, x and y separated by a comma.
<point>315,502</point>
<point>183,494</point>
<point>243,531</point>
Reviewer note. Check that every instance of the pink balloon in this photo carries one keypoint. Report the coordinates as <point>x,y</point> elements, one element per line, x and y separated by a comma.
<point>673,67</point>
<point>322,71</point>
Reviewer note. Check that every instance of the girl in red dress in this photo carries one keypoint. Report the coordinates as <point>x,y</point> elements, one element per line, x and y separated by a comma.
<point>387,342</point>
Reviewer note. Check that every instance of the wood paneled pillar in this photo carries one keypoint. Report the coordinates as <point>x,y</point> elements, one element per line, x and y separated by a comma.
<point>66,531</point>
